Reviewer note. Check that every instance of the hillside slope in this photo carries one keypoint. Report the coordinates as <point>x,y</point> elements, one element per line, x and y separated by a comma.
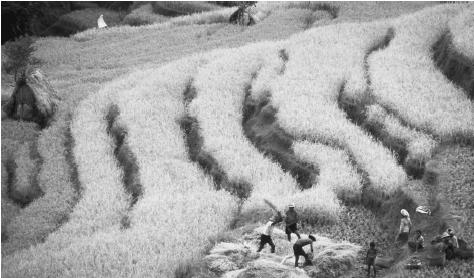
<point>109,136</point>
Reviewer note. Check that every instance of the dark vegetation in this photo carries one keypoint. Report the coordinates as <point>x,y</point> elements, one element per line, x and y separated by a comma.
<point>125,157</point>
<point>73,171</point>
<point>23,194</point>
<point>355,110</point>
<point>17,56</point>
<point>206,161</point>
<point>261,128</point>
<point>34,18</point>
<point>80,20</point>
<point>454,65</point>
<point>317,6</point>
<point>242,16</point>
<point>181,8</point>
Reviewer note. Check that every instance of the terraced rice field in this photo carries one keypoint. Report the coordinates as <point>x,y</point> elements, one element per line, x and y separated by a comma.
<point>171,134</point>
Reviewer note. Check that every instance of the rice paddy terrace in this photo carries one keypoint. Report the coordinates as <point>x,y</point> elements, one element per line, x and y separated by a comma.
<point>171,136</point>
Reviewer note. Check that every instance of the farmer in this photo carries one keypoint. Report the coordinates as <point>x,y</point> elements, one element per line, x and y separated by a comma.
<point>298,249</point>
<point>266,236</point>
<point>405,227</point>
<point>418,241</point>
<point>450,242</point>
<point>291,218</point>
<point>370,258</point>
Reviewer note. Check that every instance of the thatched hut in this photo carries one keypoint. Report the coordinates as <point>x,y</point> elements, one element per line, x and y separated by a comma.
<point>33,99</point>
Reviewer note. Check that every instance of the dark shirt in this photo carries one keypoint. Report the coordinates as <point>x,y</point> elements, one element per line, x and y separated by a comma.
<point>291,217</point>
<point>303,242</point>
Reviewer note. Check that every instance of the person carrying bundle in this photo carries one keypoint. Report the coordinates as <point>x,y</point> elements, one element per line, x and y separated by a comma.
<point>298,249</point>
<point>291,220</point>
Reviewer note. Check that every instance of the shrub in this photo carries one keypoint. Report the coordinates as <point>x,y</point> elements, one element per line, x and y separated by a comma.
<point>181,8</point>
<point>143,15</point>
<point>19,56</point>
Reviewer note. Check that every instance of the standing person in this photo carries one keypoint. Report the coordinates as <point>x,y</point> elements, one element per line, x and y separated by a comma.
<point>370,258</point>
<point>405,227</point>
<point>291,218</point>
<point>266,236</point>
<point>418,241</point>
<point>298,249</point>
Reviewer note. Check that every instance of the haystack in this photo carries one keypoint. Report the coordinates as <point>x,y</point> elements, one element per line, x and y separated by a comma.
<point>239,259</point>
<point>33,99</point>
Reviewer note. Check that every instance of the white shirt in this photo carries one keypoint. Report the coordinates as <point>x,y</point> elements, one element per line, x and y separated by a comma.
<point>268,229</point>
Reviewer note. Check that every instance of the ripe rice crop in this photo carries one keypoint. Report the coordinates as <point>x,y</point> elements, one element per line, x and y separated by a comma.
<point>462,28</point>
<point>176,195</point>
<point>103,200</point>
<point>336,171</point>
<point>420,146</point>
<point>44,214</point>
<point>405,78</point>
<point>322,62</point>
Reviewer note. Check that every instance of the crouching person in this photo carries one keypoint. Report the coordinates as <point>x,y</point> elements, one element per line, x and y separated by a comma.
<point>298,249</point>
<point>418,241</point>
<point>266,236</point>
